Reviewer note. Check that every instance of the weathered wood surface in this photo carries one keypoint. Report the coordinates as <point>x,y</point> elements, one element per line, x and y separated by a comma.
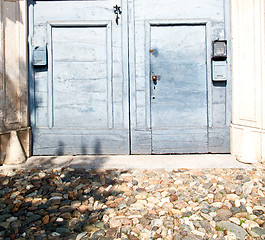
<point>84,93</point>
<point>81,97</point>
<point>210,105</point>
<point>179,97</point>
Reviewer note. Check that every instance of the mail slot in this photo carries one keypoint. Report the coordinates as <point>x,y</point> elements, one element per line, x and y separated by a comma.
<point>39,56</point>
<point>219,70</point>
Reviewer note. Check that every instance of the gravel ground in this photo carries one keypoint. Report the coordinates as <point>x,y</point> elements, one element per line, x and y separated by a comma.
<point>133,204</point>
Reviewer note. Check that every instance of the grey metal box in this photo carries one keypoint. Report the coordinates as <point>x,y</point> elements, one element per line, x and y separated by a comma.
<point>219,70</point>
<point>39,56</point>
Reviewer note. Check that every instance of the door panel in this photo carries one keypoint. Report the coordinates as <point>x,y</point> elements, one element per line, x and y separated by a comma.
<point>72,93</point>
<point>81,97</point>
<point>179,96</point>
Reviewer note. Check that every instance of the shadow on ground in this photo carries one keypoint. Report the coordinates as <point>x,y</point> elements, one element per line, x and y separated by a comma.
<point>56,204</point>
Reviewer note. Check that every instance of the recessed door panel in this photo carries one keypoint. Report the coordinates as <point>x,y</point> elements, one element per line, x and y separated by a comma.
<point>73,92</point>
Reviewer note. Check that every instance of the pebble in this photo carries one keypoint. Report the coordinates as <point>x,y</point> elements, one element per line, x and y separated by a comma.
<point>133,204</point>
<point>235,220</point>
<point>224,214</point>
<point>231,227</point>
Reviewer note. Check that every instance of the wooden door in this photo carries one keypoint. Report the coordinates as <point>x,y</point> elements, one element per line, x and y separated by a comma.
<point>94,94</point>
<point>79,99</point>
<point>184,111</point>
<point>178,89</point>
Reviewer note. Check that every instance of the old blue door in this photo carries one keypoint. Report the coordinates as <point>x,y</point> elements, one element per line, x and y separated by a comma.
<point>79,93</point>
<point>178,88</point>
<point>177,106</point>
<point>129,76</point>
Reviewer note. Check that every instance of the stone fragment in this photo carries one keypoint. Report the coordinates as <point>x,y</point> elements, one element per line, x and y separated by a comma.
<point>230,188</point>
<point>187,214</point>
<point>232,197</point>
<point>112,232</point>
<point>173,198</point>
<point>105,218</point>
<point>237,203</point>
<point>99,233</point>
<point>224,214</point>
<point>157,222</point>
<point>66,215</point>
<point>241,215</point>
<point>3,217</point>
<point>180,204</point>
<point>258,212</point>
<point>239,177</point>
<point>31,219</point>
<point>11,219</point>
<point>234,220</point>
<point>262,201</point>
<point>237,230</point>
<point>206,225</point>
<point>207,216</point>
<point>259,231</point>
<point>81,236</point>
<point>208,185</point>
<point>239,190</point>
<point>62,230</point>
<point>46,219</point>
<point>251,224</point>
<point>169,224</point>
<point>83,208</point>
<point>89,228</point>
<point>75,204</point>
<point>132,237</point>
<point>114,223</point>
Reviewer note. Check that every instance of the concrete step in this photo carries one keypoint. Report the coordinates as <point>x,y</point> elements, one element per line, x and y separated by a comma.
<point>191,161</point>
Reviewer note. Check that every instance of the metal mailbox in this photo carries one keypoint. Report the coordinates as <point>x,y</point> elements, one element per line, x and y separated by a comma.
<point>39,56</point>
<point>219,71</point>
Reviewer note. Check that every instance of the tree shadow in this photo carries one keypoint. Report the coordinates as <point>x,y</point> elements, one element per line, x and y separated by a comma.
<point>46,204</point>
<point>95,161</point>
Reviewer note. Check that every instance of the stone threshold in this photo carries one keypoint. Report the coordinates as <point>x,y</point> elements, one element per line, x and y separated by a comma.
<point>168,162</point>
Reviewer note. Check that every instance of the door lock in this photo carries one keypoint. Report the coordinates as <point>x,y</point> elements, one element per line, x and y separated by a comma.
<point>154,78</point>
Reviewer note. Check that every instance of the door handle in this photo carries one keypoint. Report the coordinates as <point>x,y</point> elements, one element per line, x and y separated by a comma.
<point>117,11</point>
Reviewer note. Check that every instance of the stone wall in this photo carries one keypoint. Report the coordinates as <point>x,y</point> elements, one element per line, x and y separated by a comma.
<point>13,73</point>
<point>248,127</point>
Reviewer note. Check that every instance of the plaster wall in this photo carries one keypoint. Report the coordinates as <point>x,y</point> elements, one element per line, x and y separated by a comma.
<point>248,124</point>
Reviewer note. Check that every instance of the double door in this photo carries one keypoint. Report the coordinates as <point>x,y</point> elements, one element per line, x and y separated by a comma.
<point>121,77</point>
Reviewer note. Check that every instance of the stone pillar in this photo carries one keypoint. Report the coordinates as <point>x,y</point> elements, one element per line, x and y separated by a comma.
<point>13,74</point>
<point>248,86</point>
